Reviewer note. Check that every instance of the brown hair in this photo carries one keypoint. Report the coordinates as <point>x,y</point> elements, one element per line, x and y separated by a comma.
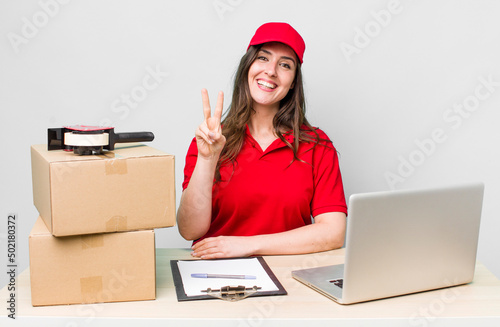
<point>290,117</point>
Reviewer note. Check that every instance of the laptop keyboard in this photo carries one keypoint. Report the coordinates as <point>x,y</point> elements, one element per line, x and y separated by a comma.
<point>337,282</point>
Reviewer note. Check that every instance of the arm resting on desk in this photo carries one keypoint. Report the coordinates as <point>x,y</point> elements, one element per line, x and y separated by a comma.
<point>327,233</point>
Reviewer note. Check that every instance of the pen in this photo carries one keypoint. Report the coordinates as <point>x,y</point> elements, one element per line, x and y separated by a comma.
<point>223,276</point>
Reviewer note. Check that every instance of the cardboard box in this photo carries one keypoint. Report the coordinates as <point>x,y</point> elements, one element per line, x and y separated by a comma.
<point>130,188</point>
<point>94,268</point>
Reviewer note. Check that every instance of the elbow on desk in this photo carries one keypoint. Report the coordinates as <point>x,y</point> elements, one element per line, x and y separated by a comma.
<point>337,244</point>
<point>331,229</point>
<point>334,242</point>
<point>340,240</point>
<point>189,234</point>
<point>330,244</point>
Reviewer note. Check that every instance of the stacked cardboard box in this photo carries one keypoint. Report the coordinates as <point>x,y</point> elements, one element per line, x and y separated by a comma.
<point>94,239</point>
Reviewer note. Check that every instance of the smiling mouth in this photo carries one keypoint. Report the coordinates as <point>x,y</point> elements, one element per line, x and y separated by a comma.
<point>266,84</point>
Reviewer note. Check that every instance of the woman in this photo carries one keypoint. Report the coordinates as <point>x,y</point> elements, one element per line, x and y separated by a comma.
<point>253,181</point>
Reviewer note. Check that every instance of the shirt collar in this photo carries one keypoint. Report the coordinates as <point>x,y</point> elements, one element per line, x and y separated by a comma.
<point>287,135</point>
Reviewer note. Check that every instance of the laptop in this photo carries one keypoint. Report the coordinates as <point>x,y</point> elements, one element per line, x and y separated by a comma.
<point>402,242</point>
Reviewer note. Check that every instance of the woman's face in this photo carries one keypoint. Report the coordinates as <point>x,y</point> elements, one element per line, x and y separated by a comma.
<point>271,75</point>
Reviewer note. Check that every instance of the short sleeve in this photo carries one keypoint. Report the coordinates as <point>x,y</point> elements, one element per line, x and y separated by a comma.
<point>328,186</point>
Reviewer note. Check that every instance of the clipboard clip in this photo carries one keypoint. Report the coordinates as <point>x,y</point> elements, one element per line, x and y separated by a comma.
<point>232,293</point>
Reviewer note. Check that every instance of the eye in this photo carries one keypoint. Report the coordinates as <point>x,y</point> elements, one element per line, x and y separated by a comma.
<point>285,65</point>
<point>263,58</point>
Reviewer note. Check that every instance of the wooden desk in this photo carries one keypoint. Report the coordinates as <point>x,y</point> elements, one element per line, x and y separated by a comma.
<point>477,304</point>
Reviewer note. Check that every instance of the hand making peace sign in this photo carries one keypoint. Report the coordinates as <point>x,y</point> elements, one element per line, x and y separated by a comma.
<point>209,136</point>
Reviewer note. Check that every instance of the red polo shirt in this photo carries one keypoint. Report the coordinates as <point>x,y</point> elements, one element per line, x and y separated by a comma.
<point>263,193</point>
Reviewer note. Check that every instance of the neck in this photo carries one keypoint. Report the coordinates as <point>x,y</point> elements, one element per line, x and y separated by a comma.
<point>261,121</point>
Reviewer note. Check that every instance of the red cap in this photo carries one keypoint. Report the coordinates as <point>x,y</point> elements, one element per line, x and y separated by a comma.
<point>280,32</point>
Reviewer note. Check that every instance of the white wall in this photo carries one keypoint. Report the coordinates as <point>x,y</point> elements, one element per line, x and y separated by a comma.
<point>377,96</point>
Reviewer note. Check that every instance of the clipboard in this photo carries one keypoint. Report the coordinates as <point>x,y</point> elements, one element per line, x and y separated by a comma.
<point>181,293</point>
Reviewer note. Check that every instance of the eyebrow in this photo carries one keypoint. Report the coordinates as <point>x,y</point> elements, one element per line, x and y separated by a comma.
<point>283,57</point>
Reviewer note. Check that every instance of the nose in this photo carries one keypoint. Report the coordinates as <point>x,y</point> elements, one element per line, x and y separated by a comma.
<point>271,69</point>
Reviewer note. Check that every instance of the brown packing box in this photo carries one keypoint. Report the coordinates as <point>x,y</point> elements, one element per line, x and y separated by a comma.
<point>130,188</point>
<point>94,268</point>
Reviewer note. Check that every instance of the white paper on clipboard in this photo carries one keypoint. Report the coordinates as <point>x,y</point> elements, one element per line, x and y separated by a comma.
<point>194,286</point>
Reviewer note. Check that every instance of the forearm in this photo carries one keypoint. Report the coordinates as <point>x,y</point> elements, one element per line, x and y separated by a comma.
<point>195,209</point>
<point>327,233</point>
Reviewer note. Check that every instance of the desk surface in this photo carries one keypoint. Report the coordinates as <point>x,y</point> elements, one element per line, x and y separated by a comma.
<point>477,302</point>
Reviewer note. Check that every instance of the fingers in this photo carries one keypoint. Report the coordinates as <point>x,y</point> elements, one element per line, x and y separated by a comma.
<point>223,247</point>
<point>209,134</point>
<point>208,256</point>
<point>209,248</point>
<point>204,133</point>
<point>206,104</point>
<point>218,107</point>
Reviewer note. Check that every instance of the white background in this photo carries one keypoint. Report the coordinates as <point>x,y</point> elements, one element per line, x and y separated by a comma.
<point>410,64</point>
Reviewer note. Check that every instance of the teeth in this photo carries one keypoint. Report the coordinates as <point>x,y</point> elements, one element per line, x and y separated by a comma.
<point>266,84</point>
